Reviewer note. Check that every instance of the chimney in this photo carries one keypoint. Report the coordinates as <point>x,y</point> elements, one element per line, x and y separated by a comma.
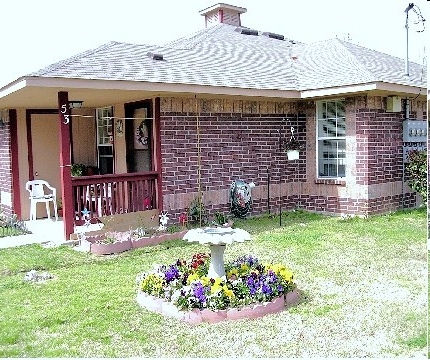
<point>222,13</point>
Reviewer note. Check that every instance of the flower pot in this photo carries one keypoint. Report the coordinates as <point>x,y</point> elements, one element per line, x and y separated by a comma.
<point>293,154</point>
<point>114,248</point>
<point>257,310</point>
<point>292,298</point>
<point>168,309</point>
<point>149,302</point>
<point>213,316</point>
<point>193,317</point>
<point>157,239</point>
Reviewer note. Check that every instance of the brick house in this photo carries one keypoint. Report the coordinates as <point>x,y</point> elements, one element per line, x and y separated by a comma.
<point>218,103</point>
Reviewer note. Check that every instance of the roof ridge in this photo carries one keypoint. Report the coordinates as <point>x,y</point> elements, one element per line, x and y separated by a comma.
<point>58,64</point>
<point>194,38</point>
<point>378,51</point>
<point>362,66</point>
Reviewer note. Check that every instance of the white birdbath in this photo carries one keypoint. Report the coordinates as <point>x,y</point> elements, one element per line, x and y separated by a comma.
<point>217,239</point>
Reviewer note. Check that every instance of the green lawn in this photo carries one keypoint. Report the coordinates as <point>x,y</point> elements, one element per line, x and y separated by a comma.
<point>363,284</point>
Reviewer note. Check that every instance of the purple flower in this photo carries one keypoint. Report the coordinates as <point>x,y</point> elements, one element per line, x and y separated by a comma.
<point>171,273</point>
<point>199,292</point>
<point>250,281</point>
<point>266,289</point>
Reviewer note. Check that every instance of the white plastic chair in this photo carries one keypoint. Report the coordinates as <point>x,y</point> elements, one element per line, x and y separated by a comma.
<point>36,188</point>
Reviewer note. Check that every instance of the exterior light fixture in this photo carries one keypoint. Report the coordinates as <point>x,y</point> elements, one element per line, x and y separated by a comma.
<point>4,118</point>
<point>75,104</point>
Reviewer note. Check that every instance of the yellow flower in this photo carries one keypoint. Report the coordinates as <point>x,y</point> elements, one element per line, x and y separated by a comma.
<point>215,288</point>
<point>267,266</point>
<point>217,281</point>
<point>243,268</point>
<point>232,272</point>
<point>205,280</point>
<point>227,291</point>
<point>192,278</point>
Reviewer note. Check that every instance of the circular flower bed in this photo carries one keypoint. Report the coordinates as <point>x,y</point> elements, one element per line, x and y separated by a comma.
<point>185,284</point>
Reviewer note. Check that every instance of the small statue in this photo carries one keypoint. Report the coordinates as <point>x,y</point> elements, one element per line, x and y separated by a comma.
<point>164,218</point>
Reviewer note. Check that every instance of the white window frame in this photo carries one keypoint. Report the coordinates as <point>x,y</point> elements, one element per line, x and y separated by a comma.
<point>336,158</point>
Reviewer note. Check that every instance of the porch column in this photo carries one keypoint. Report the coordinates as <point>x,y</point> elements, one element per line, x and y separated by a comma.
<point>157,125</point>
<point>65,165</point>
<point>16,190</point>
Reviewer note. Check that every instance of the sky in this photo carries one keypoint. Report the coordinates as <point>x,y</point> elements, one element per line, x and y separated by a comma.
<point>36,33</point>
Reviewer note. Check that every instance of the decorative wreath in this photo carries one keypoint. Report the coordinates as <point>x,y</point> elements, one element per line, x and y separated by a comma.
<point>240,198</point>
<point>142,134</point>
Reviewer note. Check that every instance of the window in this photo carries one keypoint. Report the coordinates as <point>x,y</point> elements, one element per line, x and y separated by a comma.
<point>105,140</point>
<point>331,140</point>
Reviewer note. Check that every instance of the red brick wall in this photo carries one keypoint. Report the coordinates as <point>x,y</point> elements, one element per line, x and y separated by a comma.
<point>379,146</point>
<point>232,146</point>
<point>240,140</point>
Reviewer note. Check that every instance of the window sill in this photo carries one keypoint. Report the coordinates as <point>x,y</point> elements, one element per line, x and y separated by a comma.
<point>339,182</point>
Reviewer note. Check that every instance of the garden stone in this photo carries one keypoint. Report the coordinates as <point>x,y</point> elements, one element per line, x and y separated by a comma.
<point>34,276</point>
<point>49,244</point>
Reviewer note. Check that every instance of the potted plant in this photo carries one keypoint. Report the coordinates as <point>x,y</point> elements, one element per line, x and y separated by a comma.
<point>221,220</point>
<point>60,207</point>
<point>78,169</point>
<point>293,147</point>
<point>110,243</point>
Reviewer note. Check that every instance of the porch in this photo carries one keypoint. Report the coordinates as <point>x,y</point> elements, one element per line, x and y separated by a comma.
<point>125,174</point>
<point>42,231</point>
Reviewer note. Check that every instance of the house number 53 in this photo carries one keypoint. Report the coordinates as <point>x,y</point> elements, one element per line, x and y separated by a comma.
<point>63,111</point>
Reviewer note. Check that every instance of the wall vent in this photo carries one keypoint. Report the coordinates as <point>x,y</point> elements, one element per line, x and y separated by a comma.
<point>155,56</point>
<point>247,31</point>
<point>273,35</point>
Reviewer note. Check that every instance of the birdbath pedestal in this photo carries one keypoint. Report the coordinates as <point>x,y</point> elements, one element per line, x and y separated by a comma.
<point>217,238</point>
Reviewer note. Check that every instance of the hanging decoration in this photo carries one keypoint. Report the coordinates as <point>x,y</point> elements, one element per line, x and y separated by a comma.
<point>240,198</point>
<point>119,128</point>
<point>292,147</point>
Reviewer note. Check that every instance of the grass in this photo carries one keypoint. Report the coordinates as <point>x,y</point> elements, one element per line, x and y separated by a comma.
<point>363,284</point>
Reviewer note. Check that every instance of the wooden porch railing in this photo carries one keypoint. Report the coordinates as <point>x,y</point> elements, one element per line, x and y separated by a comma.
<point>114,194</point>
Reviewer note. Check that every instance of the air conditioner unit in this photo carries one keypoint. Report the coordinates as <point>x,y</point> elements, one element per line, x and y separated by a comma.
<point>394,104</point>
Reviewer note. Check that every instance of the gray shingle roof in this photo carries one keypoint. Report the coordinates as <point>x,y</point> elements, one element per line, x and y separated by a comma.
<point>222,56</point>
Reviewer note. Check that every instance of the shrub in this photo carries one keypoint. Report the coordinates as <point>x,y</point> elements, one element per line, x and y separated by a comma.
<point>197,212</point>
<point>416,171</point>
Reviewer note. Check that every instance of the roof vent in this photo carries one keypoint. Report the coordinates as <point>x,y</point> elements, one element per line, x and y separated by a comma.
<point>246,31</point>
<point>273,35</point>
<point>154,56</point>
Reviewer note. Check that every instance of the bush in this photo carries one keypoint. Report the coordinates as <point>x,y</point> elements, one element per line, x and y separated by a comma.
<point>416,171</point>
<point>11,226</point>
<point>197,212</point>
